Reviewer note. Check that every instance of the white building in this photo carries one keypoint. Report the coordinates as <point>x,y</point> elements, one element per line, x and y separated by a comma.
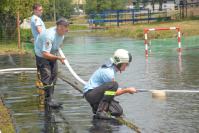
<point>169,5</point>
<point>79,2</point>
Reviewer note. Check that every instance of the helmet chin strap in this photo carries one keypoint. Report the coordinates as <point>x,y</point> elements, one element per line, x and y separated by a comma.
<point>118,68</point>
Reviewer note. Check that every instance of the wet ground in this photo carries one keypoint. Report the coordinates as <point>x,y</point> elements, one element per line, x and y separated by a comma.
<point>164,69</point>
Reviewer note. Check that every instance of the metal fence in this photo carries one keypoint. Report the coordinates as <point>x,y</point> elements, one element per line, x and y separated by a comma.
<point>7,28</point>
<point>189,9</point>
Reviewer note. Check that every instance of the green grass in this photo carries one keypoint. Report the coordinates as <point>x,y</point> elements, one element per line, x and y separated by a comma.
<point>12,48</point>
<point>49,24</point>
<point>9,47</point>
<point>136,31</point>
<point>188,28</point>
<point>72,27</point>
<point>78,27</point>
<point>28,47</point>
<point>6,125</point>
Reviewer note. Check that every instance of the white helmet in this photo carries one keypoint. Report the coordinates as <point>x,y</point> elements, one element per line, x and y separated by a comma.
<point>121,56</point>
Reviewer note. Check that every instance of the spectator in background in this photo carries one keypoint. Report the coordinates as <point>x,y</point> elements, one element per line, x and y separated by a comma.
<point>37,25</point>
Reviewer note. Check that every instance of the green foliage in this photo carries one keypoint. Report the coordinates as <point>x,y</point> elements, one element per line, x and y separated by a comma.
<point>6,125</point>
<point>61,8</point>
<point>137,4</point>
<point>64,8</point>
<point>138,33</point>
<point>8,15</point>
<point>29,48</point>
<point>77,27</point>
<point>26,35</point>
<point>96,6</point>
<point>9,9</point>
<point>24,7</point>
<point>98,17</point>
<point>194,18</point>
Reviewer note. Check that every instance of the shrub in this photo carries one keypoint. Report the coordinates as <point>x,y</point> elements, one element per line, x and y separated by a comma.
<point>26,35</point>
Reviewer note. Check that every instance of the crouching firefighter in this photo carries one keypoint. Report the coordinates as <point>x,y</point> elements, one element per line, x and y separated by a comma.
<point>102,87</point>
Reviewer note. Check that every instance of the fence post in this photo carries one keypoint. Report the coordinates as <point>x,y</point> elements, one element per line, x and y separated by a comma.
<point>179,40</point>
<point>133,15</point>
<point>18,30</point>
<point>148,15</point>
<point>54,11</point>
<point>146,42</point>
<point>118,23</point>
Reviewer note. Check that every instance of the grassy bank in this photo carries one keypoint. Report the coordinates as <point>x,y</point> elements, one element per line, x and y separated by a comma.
<point>188,28</point>
<point>72,27</point>
<point>6,125</point>
<point>12,48</point>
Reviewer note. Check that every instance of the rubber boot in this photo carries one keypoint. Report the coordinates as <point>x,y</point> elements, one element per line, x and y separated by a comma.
<point>102,111</point>
<point>49,98</point>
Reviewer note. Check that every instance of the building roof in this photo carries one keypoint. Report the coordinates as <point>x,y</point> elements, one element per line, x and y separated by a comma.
<point>79,2</point>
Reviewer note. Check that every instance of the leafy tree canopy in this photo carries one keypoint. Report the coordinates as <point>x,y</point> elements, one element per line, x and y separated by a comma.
<point>96,6</point>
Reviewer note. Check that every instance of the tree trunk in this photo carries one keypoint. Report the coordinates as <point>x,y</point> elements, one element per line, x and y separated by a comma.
<point>152,3</point>
<point>160,5</point>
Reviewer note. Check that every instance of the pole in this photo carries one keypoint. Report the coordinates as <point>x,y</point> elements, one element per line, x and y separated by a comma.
<point>179,40</point>
<point>146,30</point>
<point>148,15</point>
<point>145,42</point>
<point>54,11</point>
<point>186,8</point>
<point>18,31</point>
<point>118,23</point>
<point>183,9</point>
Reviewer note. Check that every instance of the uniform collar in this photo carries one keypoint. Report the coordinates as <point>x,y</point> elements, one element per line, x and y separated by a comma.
<point>109,64</point>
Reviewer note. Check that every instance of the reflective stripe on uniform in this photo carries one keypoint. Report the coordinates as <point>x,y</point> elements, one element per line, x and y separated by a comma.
<point>110,93</point>
<point>46,86</point>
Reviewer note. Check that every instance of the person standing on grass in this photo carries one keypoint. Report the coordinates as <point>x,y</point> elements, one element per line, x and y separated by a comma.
<point>37,25</point>
<point>101,88</point>
<point>46,49</point>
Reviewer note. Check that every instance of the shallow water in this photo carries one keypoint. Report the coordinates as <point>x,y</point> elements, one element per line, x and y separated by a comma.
<point>164,69</point>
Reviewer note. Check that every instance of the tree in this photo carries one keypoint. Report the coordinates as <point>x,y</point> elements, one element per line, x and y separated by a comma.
<point>8,11</point>
<point>62,8</point>
<point>157,1</point>
<point>138,4</point>
<point>97,6</point>
<point>153,3</point>
<point>145,2</point>
<point>160,5</point>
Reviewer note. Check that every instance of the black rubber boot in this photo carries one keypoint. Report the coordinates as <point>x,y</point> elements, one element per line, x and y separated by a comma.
<point>55,104</point>
<point>102,111</point>
<point>49,98</point>
<point>103,115</point>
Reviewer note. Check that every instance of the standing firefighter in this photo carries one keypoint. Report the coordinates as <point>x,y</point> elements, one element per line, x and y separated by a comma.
<point>37,25</point>
<point>102,87</point>
<point>46,48</point>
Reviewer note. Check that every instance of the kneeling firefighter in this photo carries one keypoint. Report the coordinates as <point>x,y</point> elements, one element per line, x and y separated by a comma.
<point>102,87</point>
